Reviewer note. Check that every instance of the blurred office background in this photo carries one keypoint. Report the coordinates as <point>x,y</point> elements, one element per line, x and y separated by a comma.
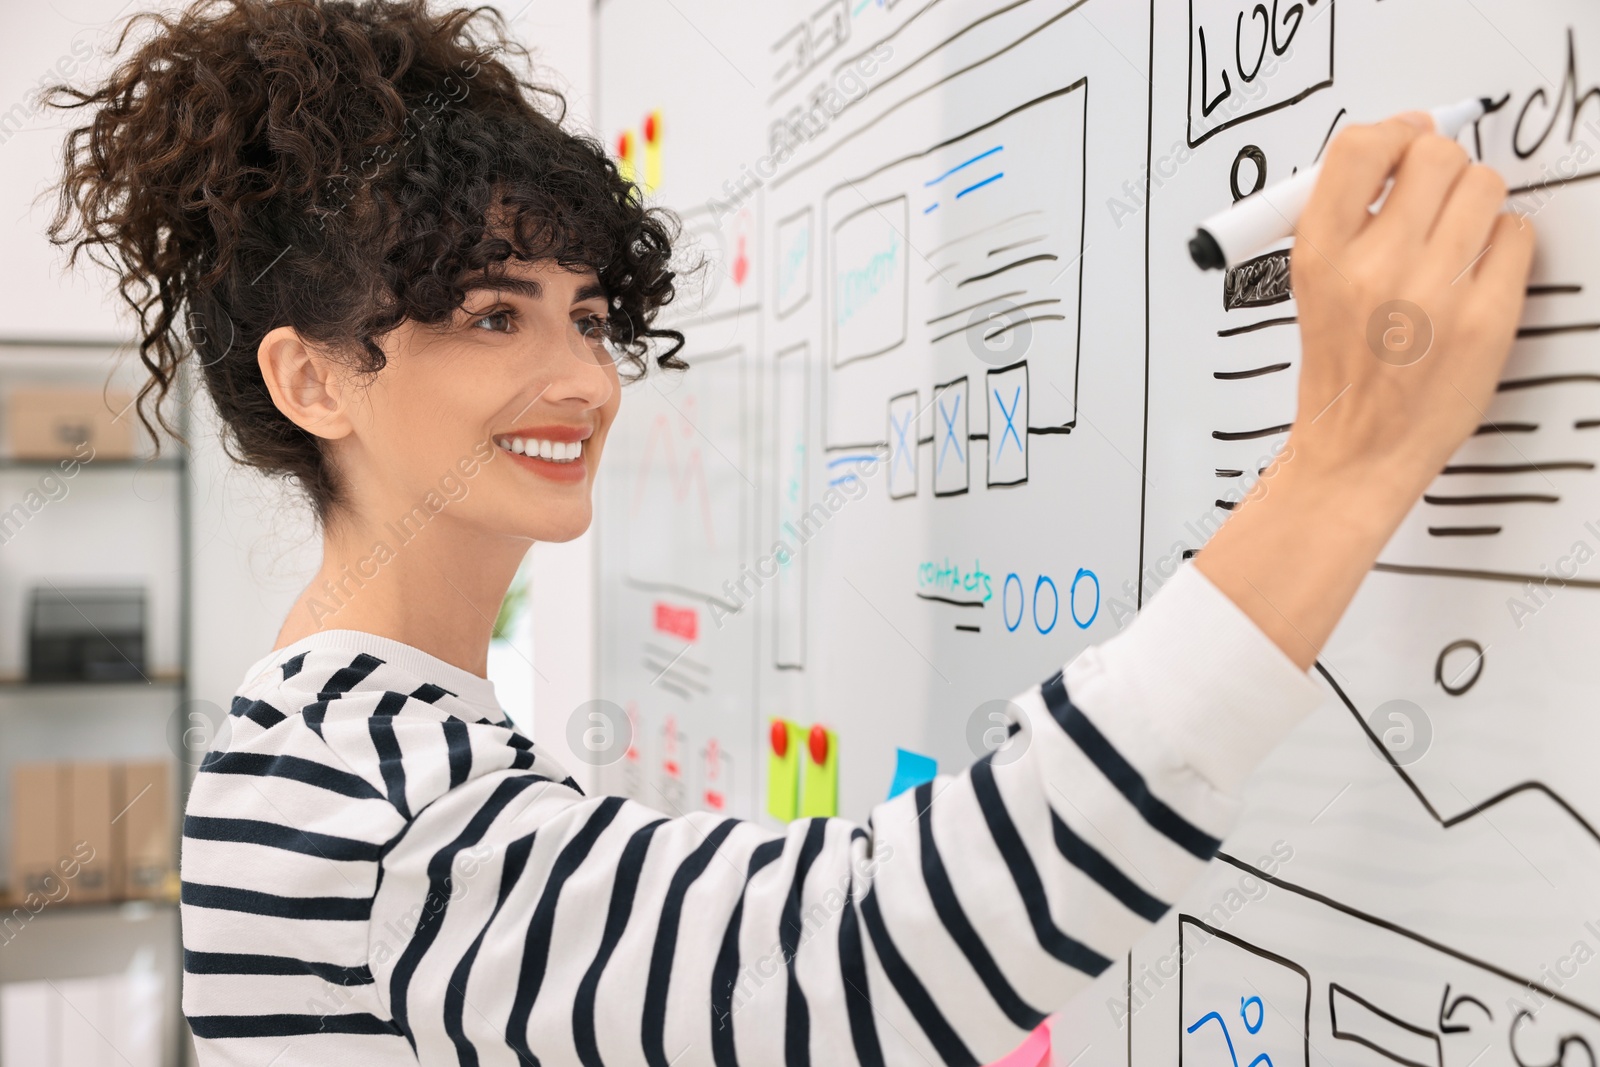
<point>135,593</point>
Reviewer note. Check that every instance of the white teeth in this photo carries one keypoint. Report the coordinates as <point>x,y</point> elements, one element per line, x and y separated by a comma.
<point>554,451</point>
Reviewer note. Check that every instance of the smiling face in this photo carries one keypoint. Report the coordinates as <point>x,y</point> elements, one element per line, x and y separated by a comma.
<point>494,420</point>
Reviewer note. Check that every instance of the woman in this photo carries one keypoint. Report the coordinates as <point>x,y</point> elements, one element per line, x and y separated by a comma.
<point>408,290</point>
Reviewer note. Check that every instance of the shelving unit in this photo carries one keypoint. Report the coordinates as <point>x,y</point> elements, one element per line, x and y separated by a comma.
<point>136,719</point>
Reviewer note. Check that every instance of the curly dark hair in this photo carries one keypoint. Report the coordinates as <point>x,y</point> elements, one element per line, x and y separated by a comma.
<point>337,166</point>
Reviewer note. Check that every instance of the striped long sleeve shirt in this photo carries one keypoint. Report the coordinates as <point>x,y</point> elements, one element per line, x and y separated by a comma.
<point>379,869</point>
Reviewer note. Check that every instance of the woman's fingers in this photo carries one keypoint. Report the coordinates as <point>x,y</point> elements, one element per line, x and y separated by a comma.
<point>1502,272</point>
<point>1463,230</point>
<point>1423,184</point>
<point>1358,165</point>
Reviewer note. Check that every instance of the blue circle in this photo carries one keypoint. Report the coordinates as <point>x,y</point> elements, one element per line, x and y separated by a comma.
<point>1005,600</point>
<point>1044,579</point>
<point>1244,1013</point>
<point>1084,624</point>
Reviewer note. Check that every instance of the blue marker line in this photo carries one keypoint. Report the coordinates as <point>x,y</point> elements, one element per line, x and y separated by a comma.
<point>980,185</point>
<point>930,207</point>
<point>846,478</point>
<point>959,166</point>
<point>865,457</point>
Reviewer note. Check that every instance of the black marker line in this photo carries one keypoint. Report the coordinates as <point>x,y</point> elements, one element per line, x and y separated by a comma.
<point>1008,327</point>
<point>790,175</point>
<point>1491,498</point>
<point>1046,431</point>
<point>1144,443</point>
<point>850,183</point>
<point>663,672</point>
<point>1550,331</point>
<point>970,629</point>
<point>1334,125</point>
<point>993,318</point>
<point>1017,244</point>
<point>962,32</point>
<point>973,307</point>
<point>1334,989</point>
<point>1483,576</point>
<point>1250,435</point>
<point>1043,257</point>
<point>1396,928</point>
<point>987,231</point>
<point>948,600</point>
<point>1254,372</point>
<point>1463,531</point>
<point>1447,1011</point>
<point>1229,473</point>
<point>1549,379</point>
<point>1519,468</point>
<point>682,660</point>
<point>1227,505</point>
<point>1586,424</point>
<point>1262,325</point>
<point>1554,290</point>
<point>1507,427</point>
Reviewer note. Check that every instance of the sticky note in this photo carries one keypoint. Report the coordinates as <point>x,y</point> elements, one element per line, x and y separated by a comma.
<point>652,151</point>
<point>910,770</point>
<point>784,741</point>
<point>819,776</point>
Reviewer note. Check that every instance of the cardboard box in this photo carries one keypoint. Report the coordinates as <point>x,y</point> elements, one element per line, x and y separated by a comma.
<point>88,819</point>
<point>36,829</point>
<point>143,858</point>
<point>55,423</point>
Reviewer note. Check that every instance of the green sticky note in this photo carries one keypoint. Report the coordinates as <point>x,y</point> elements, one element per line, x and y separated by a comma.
<point>784,742</point>
<point>819,780</point>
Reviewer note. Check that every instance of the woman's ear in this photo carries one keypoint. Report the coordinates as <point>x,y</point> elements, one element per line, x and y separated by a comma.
<point>307,386</point>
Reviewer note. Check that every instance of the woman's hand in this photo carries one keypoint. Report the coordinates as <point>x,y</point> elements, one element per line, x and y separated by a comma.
<point>1407,316</point>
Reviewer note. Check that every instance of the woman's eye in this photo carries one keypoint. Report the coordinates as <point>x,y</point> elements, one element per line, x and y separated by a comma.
<point>593,327</point>
<point>494,322</point>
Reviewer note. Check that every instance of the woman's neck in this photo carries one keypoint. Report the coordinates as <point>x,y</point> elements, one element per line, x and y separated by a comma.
<point>427,582</point>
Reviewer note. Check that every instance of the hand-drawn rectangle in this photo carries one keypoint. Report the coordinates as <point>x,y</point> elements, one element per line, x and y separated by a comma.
<point>1251,57</point>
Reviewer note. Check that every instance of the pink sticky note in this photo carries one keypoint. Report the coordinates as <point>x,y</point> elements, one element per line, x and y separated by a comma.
<point>1033,1052</point>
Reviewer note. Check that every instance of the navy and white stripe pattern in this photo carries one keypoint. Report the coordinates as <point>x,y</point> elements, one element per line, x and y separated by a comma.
<point>378,870</point>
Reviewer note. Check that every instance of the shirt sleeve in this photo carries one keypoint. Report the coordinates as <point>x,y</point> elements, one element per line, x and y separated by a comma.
<point>514,911</point>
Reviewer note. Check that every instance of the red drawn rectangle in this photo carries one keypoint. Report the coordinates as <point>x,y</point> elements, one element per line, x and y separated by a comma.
<point>679,622</point>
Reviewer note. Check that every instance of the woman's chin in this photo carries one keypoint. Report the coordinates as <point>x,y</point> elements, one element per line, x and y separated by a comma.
<point>565,524</point>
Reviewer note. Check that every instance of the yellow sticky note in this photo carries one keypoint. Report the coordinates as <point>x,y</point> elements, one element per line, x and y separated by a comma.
<point>784,743</point>
<point>819,779</point>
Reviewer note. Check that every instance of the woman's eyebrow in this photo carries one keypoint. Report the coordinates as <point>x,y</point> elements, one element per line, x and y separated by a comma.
<point>592,291</point>
<point>516,286</point>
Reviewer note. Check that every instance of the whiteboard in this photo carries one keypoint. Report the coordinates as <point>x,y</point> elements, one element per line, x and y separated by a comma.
<point>960,316</point>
